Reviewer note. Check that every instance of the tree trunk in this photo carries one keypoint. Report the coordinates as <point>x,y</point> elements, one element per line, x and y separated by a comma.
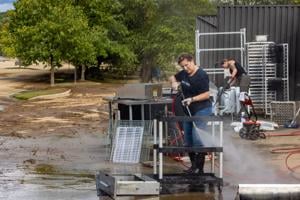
<point>82,73</point>
<point>145,74</point>
<point>52,72</point>
<point>52,80</point>
<point>75,74</point>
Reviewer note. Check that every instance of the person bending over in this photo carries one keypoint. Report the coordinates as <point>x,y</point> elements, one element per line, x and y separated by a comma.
<point>238,75</point>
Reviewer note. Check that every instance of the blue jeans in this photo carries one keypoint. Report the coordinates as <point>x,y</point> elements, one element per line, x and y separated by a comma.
<point>191,135</point>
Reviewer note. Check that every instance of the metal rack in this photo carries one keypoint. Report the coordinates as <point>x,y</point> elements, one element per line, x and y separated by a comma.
<point>124,121</point>
<point>285,77</point>
<point>241,48</point>
<point>182,178</point>
<point>263,68</point>
<point>222,45</point>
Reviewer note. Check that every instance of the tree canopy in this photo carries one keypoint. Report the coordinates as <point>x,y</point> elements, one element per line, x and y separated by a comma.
<point>126,34</point>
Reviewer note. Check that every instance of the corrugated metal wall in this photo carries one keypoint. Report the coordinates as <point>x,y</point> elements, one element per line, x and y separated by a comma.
<point>280,23</point>
<point>207,24</point>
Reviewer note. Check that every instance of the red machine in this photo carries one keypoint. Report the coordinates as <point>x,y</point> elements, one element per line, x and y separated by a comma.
<point>251,127</point>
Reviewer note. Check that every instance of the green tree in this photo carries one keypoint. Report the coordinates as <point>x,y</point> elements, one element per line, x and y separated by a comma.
<point>84,53</point>
<point>172,32</point>
<point>140,17</point>
<point>108,32</point>
<point>47,31</point>
<point>6,39</point>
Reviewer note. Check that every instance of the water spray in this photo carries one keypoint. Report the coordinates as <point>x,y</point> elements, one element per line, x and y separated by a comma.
<point>206,137</point>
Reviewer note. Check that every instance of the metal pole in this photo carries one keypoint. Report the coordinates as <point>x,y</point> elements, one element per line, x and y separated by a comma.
<point>221,33</point>
<point>160,145</point>
<point>221,153</point>
<point>154,150</point>
<point>197,47</point>
<point>143,112</point>
<point>222,49</point>
<point>119,115</point>
<point>241,47</point>
<point>287,70</point>
<point>213,153</point>
<point>166,124</point>
<point>244,44</point>
<point>130,112</point>
<point>265,80</point>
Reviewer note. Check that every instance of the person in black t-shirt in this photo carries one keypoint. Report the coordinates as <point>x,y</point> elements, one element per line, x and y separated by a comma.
<point>194,84</point>
<point>238,74</point>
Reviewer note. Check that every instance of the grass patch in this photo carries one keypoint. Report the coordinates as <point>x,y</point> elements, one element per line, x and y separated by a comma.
<point>25,95</point>
<point>45,169</point>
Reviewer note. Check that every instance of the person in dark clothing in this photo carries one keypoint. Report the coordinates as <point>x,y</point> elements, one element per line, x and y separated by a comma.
<point>194,84</point>
<point>238,74</point>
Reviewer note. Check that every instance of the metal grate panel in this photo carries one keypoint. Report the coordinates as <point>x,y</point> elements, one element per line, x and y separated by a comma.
<point>128,143</point>
<point>282,111</point>
<point>120,132</point>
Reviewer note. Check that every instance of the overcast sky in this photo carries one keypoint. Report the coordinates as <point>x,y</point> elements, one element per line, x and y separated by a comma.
<point>6,5</point>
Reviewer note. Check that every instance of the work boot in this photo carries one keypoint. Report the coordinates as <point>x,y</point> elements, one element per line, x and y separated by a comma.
<point>200,161</point>
<point>193,168</point>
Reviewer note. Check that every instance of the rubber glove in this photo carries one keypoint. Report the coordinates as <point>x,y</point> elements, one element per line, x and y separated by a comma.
<point>187,101</point>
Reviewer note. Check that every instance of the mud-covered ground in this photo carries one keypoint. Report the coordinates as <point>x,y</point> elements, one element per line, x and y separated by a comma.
<point>52,148</point>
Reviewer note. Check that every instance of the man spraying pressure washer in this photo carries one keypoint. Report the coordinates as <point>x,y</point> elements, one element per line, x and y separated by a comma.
<point>194,85</point>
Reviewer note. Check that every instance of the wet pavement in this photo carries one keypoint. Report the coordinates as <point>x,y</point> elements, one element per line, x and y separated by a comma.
<point>55,167</point>
<point>60,167</point>
<point>51,150</point>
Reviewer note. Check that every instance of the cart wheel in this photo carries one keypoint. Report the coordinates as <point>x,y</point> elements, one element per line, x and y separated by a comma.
<point>253,134</point>
<point>243,133</point>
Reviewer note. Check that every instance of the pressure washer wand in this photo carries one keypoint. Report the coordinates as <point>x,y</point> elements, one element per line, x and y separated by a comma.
<point>179,89</point>
<point>222,91</point>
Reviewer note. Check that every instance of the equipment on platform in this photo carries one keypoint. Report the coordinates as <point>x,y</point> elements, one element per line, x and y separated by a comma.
<point>125,185</point>
<point>221,92</point>
<point>227,99</point>
<point>193,179</point>
<point>140,91</point>
<point>130,138</point>
<point>251,127</point>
